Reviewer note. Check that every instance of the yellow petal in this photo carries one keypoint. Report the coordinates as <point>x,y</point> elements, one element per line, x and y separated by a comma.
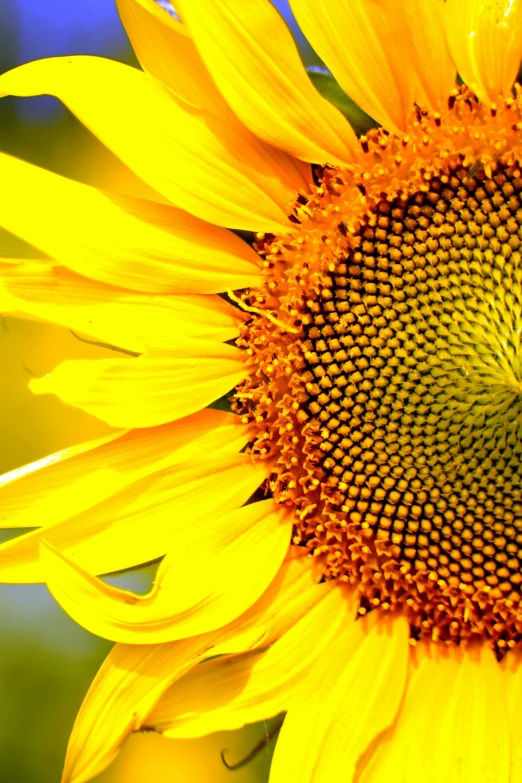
<point>121,241</point>
<point>227,692</point>
<point>27,494</point>
<point>137,523</point>
<point>165,50</point>
<point>350,695</point>
<point>134,677</point>
<point>130,320</point>
<point>152,389</point>
<point>292,594</point>
<point>195,159</point>
<point>216,571</point>
<point>130,681</point>
<point>402,749</point>
<point>24,488</point>
<point>452,725</point>
<point>485,40</point>
<point>431,59</point>
<point>254,61</point>
<point>511,669</point>
<point>368,48</point>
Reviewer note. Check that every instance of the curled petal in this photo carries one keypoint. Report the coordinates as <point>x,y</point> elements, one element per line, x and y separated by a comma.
<point>108,521</point>
<point>134,677</point>
<point>217,570</point>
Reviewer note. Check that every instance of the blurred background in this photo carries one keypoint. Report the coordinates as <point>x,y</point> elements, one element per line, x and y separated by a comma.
<point>46,661</point>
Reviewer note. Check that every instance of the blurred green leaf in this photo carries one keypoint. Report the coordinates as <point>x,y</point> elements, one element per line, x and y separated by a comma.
<point>224,403</point>
<point>329,88</point>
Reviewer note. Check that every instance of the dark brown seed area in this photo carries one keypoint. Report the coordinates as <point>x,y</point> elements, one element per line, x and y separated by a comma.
<point>416,360</point>
<point>386,388</point>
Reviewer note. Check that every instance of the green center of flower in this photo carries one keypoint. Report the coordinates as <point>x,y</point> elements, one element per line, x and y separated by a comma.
<point>416,395</point>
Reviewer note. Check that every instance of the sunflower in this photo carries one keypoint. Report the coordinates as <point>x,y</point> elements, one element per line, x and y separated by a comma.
<point>345,546</point>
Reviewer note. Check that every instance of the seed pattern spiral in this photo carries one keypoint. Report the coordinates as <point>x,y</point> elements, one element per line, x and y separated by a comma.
<point>385,381</point>
<point>415,355</point>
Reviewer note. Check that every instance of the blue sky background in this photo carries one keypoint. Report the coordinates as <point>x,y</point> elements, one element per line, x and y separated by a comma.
<point>32,29</point>
<point>54,27</point>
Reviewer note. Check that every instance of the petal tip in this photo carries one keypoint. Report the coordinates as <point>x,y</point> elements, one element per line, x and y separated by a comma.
<point>41,385</point>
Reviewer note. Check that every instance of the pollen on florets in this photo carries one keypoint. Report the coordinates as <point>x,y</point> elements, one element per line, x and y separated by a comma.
<point>386,371</point>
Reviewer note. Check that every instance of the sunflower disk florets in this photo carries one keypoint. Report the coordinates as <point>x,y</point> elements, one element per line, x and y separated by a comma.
<point>386,371</point>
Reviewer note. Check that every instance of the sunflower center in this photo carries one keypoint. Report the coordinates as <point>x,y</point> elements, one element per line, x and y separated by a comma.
<point>386,380</point>
<point>413,353</point>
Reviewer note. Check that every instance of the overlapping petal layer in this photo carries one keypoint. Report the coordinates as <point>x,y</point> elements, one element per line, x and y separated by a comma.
<point>134,677</point>
<point>385,55</point>
<point>154,388</point>
<point>195,159</point>
<point>452,724</point>
<point>125,242</point>
<point>130,320</point>
<point>367,47</point>
<point>431,63</point>
<point>166,51</point>
<point>347,698</point>
<point>46,491</point>
<point>215,570</point>
<point>228,692</point>
<point>254,61</point>
<point>124,691</point>
<point>111,528</point>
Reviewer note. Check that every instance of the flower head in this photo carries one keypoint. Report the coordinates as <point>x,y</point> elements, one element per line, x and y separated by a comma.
<point>346,546</point>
